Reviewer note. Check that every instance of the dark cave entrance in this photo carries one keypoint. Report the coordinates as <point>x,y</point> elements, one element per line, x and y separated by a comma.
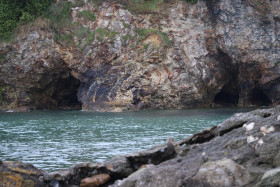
<point>66,92</point>
<point>59,94</point>
<point>257,97</point>
<point>226,97</point>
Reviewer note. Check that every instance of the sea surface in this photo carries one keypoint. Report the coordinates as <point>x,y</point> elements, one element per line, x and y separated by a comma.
<point>52,140</point>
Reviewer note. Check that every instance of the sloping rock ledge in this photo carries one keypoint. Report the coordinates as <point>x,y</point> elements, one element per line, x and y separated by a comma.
<point>242,151</point>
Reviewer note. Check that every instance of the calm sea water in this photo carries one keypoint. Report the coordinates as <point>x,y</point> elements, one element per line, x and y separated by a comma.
<point>53,140</point>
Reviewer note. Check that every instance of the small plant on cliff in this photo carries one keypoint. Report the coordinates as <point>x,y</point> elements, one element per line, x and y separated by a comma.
<point>87,15</point>
<point>143,33</point>
<point>141,6</point>
<point>192,1</point>
<point>60,15</point>
<point>1,95</point>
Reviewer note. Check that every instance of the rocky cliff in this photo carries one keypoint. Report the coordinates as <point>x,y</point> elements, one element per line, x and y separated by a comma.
<point>179,55</point>
<point>242,151</point>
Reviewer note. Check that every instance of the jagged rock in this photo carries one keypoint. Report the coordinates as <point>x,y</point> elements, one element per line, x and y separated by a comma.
<point>154,155</point>
<point>132,179</point>
<point>226,152</point>
<point>119,167</point>
<point>18,174</point>
<point>271,178</point>
<point>223,172</point>
<point>95,181</point>
<point>76,173</point>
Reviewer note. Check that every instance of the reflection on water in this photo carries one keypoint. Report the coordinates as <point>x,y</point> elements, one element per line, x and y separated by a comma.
<point>52,140</point>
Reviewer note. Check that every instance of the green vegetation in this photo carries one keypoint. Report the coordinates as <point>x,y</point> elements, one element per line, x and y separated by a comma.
<point>125,24</point>
<point>126,37</point>
<point>191,1</point>
<point>60,15</point>
<point>68,38</point>
<point>100,33</point>
<point>87,15</point>
<point>3,57</point>
<point>16,12</point>
<point>2,89</point>
<point>143,33</point>
<point>142,6</point>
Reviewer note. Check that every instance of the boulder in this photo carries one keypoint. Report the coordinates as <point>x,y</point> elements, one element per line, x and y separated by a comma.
<point>95,181</point>
<point>271,178</point>
<point>18,174</point>
<point>223,172</point>
<point>119,167</point>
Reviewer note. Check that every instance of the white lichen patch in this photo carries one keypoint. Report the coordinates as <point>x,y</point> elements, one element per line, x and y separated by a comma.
<point>251,139</point>
<point>265,130</point>
<point>260,141</point>
<point>278,118</point>
<point>249,127</point>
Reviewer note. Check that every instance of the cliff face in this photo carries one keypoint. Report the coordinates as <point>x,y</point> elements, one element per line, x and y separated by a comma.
<point>178,56</point>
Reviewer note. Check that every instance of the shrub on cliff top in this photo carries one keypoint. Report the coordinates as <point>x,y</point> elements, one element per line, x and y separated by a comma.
<point>15,12</point>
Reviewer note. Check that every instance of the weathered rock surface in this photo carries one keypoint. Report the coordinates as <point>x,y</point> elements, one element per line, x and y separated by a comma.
<point>179,56</point>
<point>227,158</point>
<point>17,174</point>
<point>95,181</point>
<point>234,153</point>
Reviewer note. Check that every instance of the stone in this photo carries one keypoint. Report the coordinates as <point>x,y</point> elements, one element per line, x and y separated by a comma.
<point>223,172</point>
<point>251,139</point>
<point>154,155</point>
<point>278,118</point>
<point>15,174</point>
<point>74,174</point>
<point>132,179</point>
<point>271,178</point>
<point>95,181</point>
<point>265,130</point>
<point>119,167</point>
<point>249,126</point>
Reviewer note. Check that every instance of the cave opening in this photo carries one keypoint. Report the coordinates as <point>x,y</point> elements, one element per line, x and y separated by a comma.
<point>257,97</point>
<point>229,94</point>
<point>226,98</point>
<point>61,93</point>
<point>66,93</point>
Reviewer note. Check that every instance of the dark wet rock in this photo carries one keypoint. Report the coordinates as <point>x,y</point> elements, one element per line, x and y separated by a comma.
<point>154,155</point>
<point>18,174</point>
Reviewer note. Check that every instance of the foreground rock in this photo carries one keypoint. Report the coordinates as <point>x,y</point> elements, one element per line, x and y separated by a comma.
<point>228,155</point>
<point>13,174</point>
<point>180,55</point>
<point>242,151</point>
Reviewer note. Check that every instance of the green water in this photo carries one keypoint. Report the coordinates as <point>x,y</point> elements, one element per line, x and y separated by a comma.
<point>53,140</point>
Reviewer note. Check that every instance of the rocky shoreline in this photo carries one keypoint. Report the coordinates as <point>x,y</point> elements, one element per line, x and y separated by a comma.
<point>242,151</point>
